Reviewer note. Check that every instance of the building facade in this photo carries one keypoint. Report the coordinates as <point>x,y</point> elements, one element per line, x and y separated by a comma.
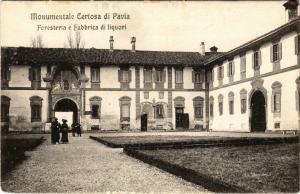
<point>254,87</point>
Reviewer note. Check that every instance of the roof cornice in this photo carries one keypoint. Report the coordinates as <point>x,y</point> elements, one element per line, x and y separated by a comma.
<point>293,25</point>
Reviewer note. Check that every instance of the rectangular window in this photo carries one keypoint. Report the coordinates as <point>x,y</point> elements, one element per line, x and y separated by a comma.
<point>230,69</point>
<point>243,106</point>
<point>231,107</point>
<point>179,76</point>
<point>95,111</point>
<point>211,109</point>
<point>276,99</point>
<point>160,95</point>
<point>4,112</point>
<point>148,75</point>
<point>256,60</point>
<point>125,76</point>
<point>125,111</point>
<point>220,72</point>
<point>198,111</point>
<point>297,44</point>
<point>210,76</point>
<point>95,74</point>
<point>243,67</point>
<point>35,113</point>
<point>220,108</point>
<point>35,74</point>
<point>159,75</point>
<point>275,53</point>
<point>197,77</point>
<point>146,95</point>
<point>159,111</point>
<point>243,64</point>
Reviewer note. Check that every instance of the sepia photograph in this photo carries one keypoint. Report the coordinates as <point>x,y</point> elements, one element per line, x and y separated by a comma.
<point>150,96</point>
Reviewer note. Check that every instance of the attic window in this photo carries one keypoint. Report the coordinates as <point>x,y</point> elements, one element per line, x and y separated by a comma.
<point>159,75</point>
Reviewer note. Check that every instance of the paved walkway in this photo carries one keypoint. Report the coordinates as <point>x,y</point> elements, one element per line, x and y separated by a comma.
<point>85,165</point>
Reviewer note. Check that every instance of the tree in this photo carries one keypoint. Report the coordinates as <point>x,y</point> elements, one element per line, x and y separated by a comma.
<point>37,42</point>
<point>75,41</point>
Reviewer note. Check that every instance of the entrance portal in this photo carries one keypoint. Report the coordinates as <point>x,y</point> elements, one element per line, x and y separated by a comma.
<point>182,119</point>
<point>258,112</point>
<point>144,122</point>
<point>66,109</point>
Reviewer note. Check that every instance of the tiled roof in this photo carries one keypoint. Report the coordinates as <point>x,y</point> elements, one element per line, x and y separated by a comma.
<point>257,42</point>
<point>25,55</point>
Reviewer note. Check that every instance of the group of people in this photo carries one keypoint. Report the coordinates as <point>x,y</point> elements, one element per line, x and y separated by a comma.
<point>57,128</point>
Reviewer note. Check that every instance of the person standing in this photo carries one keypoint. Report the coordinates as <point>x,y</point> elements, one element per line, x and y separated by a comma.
<point>64,132</point>
<point>78,129</point>
<point>55,128</point>
<point>73,127</point>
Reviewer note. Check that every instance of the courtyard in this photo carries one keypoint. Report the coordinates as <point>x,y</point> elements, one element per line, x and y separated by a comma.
<point>85,165</point>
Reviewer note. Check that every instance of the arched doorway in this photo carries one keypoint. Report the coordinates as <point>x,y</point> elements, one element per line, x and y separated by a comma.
<point>258,112</point>
<point>66,109</point>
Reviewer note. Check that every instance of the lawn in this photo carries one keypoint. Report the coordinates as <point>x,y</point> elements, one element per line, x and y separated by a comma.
<point>124,140</point>
<point>171,141</point>
<point>13,149</point>
<point>256,168</point>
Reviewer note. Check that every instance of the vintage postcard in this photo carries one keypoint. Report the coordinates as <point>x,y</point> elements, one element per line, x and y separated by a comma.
<point>150,97</point>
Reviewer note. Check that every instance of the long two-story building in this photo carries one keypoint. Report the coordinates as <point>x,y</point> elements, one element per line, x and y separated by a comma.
<point>254,87</point>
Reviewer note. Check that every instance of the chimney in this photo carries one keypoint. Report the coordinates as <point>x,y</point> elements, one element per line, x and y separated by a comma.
<point>202,48</point>
<point>111,43</point>
<point>133,40</point>
<point>213,49</point>
<point>291,6</point>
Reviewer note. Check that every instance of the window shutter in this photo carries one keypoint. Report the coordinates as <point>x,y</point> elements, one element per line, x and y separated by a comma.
<point>228,69</point>
<point>253,60</point>
<point>280,50</point>
<point>154,75</point>
<point>144,75</point>
<point>212,75</point>
<point>233,68</point>
<point>259,58</point>
<point>39,74</point>
<point>297,44</point>
<point>120,75</point>
<point>202,76</point>
<point>297,95</point>
<point>279,102</point>
<point>222,71</point>
<point>8,74</point>
<point>30,73</point>
<point>271,53</point>
<point>193,76</point>
<point>97,74</point>
<point>164,75</point>
<point>129,75</point>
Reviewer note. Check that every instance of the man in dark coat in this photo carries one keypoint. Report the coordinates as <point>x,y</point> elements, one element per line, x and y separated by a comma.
<point>77,128</point>
<point>64,131</point>
<point>55,128</point>
<point>73,127</point>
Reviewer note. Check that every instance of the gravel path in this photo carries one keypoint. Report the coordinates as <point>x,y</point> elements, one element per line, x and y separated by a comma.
<point>84,165</point>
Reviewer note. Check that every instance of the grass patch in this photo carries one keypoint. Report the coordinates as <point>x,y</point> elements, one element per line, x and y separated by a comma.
<point>13,149</point>
<point>256,168</point>
<point>165,141</point>
<point>129,140</point>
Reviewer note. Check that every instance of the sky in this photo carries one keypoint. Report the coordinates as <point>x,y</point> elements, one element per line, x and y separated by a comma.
<point>162,26</point>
